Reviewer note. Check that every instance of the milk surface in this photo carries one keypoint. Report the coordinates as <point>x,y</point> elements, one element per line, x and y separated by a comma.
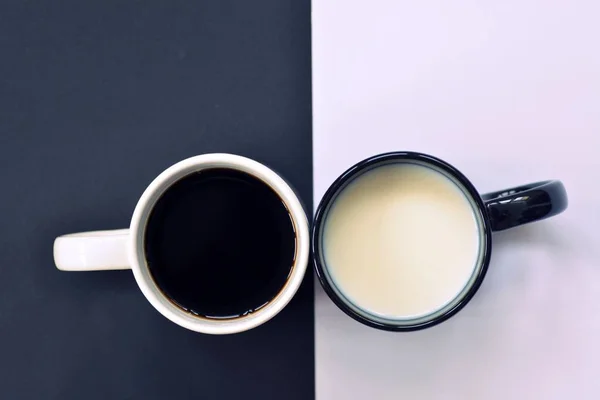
<point>401,241</point>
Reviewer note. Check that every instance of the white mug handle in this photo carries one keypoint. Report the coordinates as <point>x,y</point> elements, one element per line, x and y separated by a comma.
<point>92,251</point>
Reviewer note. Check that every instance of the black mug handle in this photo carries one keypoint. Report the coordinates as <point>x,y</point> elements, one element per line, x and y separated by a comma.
<point>524,204</point>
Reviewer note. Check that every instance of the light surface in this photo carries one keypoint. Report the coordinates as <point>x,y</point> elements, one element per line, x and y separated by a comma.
<point>509,93</point>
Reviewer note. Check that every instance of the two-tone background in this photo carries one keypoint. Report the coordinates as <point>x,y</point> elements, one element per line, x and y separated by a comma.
<point>97,98</point>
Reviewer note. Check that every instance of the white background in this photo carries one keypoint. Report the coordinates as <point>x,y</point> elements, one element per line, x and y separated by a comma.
<point>509,93</point>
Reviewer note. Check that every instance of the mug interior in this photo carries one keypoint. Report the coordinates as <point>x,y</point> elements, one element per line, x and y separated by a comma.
<point>416,321</point>
<point>148,284</point>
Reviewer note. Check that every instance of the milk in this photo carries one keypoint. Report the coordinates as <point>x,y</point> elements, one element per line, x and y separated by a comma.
<point>401,241</point>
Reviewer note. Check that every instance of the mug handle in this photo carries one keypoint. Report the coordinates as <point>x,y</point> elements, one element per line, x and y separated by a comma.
<point>92,251</point>
<point>523,204</point>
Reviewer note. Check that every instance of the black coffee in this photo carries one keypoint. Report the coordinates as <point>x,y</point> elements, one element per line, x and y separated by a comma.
<point>220,243</point>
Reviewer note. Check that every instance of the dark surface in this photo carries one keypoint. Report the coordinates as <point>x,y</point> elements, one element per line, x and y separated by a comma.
<point>317,239</point>
<point>220,243</point>
<point>96,99</point>
<point>524,204</point>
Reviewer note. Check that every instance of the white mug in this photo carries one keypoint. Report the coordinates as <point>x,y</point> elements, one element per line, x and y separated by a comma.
<point>124,248</point>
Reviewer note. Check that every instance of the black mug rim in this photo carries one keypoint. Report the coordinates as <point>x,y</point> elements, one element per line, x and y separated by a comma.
<point>351,173</point>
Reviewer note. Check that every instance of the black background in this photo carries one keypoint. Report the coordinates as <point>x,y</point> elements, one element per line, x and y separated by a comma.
<point>96,99</point>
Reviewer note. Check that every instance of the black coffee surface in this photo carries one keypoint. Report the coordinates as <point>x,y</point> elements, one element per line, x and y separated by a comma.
<point>220,243</point>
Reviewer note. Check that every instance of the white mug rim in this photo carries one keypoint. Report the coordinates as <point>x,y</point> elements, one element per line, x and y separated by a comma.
<point>136,243</point>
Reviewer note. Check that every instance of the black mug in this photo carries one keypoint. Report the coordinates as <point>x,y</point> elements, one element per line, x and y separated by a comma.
<point>491,212</point>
